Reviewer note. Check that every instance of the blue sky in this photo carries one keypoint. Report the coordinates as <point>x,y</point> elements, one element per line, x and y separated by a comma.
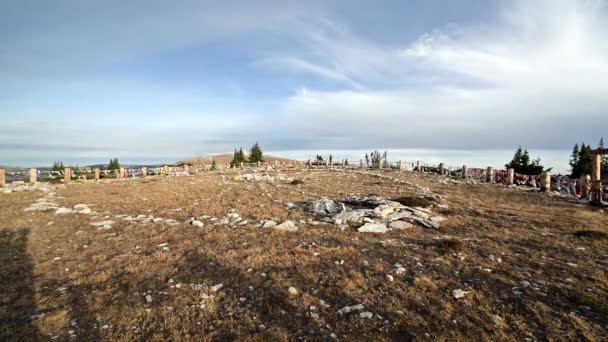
<point>84,81</point>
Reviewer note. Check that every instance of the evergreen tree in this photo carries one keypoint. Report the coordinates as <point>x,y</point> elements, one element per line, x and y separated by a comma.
<point>585,160</point>
<point>346,161</point>
<point>574,163</point>
<point>331,160</point>
<point>57,166</point>
<point>255,154</point>
<point>319,158</point>
<point>375,157</point>
<point>114,164</point>
<point>366,159</point>
<point>521,163</point>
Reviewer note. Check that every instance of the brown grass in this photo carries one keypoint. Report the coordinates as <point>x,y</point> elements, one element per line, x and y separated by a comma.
<point>98,286</point>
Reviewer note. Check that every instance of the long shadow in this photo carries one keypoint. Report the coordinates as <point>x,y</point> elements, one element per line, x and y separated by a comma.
<point>17,302</point>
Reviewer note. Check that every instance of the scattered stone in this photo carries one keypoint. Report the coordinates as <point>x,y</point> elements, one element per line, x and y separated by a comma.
<point>287,226</point>
<point>216,287</point>
<point>148,299</point>
<point>348,309</point>
<point>292,291</point>
<point>400,225</point>
<point>373,228</point>
<point>389,277</point>
<point>63,211</point>
<point>458,293</point>
<point>366,314</point>
<point>197,223</point>
<point>269,224</point>
<point>102,223</point>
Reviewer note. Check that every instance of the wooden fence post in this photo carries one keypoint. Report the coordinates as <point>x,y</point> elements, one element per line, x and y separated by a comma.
<point>380,164</point>
<point>596,178</point>
<point>97,174</point>
<point>510,176</point>
<point>490,175</point>
<point>67,175</point>
<point>144,171</point>
<point>259,164</point>
<point>545,181</point>
<point>441,169</point>
<point>122,173</point>
<point>464,171</point>
<point>418,166</point>
<point>33,176</point>
<point>2,177</point>
<point>186,168</point>
<point>361,163</point>
<point>401,165</point>
<point>165,170</point>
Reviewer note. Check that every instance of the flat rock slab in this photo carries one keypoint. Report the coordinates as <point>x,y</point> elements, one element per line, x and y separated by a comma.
<point>373,228</point>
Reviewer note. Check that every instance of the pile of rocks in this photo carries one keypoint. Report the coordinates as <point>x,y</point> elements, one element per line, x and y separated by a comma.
<point>370,214</point>
<point>256,177</point>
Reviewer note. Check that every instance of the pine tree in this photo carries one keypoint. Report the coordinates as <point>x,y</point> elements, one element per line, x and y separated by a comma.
<point>346,161</point>
<point>256,154</point>
<point>574,162</point>
<point>113,165</point>
<point>331,160</point>
<point>366,159</point>
<point>521,163</point>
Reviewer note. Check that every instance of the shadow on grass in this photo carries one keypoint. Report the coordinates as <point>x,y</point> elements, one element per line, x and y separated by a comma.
<point>17,303</point>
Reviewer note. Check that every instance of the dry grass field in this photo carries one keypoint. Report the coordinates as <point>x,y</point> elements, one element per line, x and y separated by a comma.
<point>532,266</point>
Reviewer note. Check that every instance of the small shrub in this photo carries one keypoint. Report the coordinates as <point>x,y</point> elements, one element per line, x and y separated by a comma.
<point>448,245</point>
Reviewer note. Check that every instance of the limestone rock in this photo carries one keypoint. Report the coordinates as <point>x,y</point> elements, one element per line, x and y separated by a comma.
<point>373,228</point>
<point>287,226</point>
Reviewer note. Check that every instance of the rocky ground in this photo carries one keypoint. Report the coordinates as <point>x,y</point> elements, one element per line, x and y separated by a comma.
<point>310,255</point>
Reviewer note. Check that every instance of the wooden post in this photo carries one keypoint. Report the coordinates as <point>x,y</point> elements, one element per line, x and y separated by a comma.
<point>464,171</point>
<point>186,168</point>
<point>362,163</point>
<point>490,175</point>
<point>419,166</point>
<point>343,163</point>
<point>144,171</point>
<point>259,164</point>
<point>98,174</point>
<point>165,170</point>
<point>401,165</point>
<point>381,164</point>
<point>596,178</point>
<point>33,176</point>
<point>510,176</point>
<point>441,169</point>
<point>545,181</point>
<point>67,175</point>
<point>242,165</point>
<point>2,177</point>
<point>204,166</point>
<point>122,173</point>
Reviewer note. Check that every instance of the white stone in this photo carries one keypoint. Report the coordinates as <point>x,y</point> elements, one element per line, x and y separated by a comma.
<point>292,291</point>
<point>102,223</point>
<point>62,211</point>
<point>373,228</point>
<point>80,206</point>
<point>458,293</point>
<point>269,224</point>
<point>438,219</point>
<point>197,223</point>
<point>287,226</point>
<point>400,225</point>
<point>85,211</point>
<point>366,314</point>
<point>216,287</point>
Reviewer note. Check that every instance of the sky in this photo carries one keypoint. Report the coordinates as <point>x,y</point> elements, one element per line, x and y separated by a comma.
<point>156,81</point>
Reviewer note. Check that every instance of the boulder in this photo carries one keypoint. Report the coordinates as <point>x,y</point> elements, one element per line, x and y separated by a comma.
<point>62,211</point>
